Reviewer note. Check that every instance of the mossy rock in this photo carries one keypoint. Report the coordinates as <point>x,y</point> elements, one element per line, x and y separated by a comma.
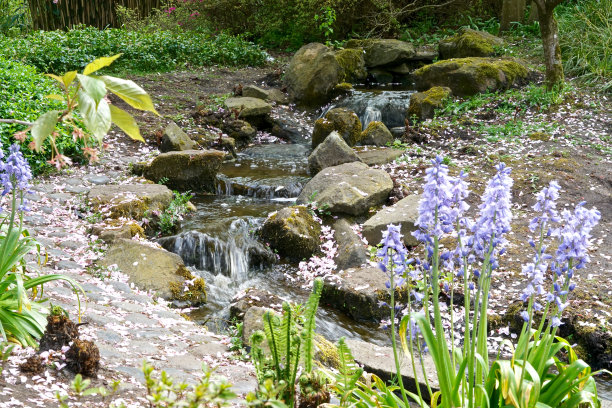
<point>293,232</point>
<point>540,136</point>
<point>129,200</point>
<point>312,74</point>
<point>155,269</point>
<point>194,170</point>
<point>424,104</point>
<point>342,120</point>
<point>384,52</point>
<point>377,134</point>
<point>352,64</point>
<point>469,43</point>
<point>470,76</point>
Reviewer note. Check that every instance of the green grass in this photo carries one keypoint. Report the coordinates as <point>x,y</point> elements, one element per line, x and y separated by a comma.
<point>585,29</point>
<point>59,51</point>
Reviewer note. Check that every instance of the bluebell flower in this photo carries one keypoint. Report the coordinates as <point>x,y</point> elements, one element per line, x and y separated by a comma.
<point>546,206</point>
<point>556,322</point>
<point>15,172</point>
<point>393,251</point>
<point>525,315</point>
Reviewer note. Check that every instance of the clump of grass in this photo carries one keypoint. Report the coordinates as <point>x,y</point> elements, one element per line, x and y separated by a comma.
<point>585,29</point>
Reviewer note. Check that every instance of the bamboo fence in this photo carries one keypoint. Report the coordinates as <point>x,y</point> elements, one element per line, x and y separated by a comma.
<point>63,14</point>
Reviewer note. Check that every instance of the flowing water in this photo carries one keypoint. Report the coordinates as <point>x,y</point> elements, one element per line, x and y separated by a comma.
<point>219,244</point>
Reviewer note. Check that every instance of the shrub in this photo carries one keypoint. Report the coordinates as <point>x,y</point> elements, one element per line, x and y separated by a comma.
<point>59,51</point>
<point>22,97</point>
<point>585,29</point>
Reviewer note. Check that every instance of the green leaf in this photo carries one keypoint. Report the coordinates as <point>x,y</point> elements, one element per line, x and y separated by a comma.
<point>99,64</point>
<point>56,97</point>
<point>96,118</point>
<point>126,122</point>
<point>43,127</point>
<point>93,87</point>
<point>69,77</point>
<point>131,93</point>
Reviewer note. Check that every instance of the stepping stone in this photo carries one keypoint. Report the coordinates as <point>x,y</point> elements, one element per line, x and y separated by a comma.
<point>99,180</point>
<point>404,213</point>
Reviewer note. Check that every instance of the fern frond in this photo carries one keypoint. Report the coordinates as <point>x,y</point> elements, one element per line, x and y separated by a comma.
<point>309,324</point>
<point>349,371</point>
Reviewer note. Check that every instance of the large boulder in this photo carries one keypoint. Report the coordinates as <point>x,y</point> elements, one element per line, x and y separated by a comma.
<point>175,139</point>
<point>332,152</point>
<point>129,200</point>
<point>194,170</point>
<point>405,213</point>
<point>351,249</point>
<point>469,43</point>
<point>342,120</point>
<point>424,104</point>
<point>157,270</point>
<point>380,52</point>
<point>312,74</point>
<point>376,134</point>
<point>350,188</point>
<point>358,292</point>
<point>293,232</point>
<point>352,64</point>
<point>470,76</point>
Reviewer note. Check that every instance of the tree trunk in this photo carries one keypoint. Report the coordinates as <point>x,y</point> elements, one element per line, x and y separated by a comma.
<point>550,42</point>
<point>512,11</point>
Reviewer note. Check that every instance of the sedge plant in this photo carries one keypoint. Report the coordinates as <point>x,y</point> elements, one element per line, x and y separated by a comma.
<point>465,375</point>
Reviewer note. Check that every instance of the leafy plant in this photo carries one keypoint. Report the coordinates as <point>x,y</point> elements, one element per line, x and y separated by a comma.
<point>82,388</point>
<point>325,22</point>
<point>290,340</point>
<point>169,218</point>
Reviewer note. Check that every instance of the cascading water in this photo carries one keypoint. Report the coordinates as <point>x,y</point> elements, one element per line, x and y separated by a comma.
<point>388,107</point>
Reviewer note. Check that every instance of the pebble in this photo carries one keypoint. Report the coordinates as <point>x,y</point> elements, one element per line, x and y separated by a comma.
<point>99,180</point>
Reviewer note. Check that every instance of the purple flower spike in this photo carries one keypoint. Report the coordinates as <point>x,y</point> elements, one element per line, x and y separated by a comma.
<point>392,240</point>
<point>15,173</point>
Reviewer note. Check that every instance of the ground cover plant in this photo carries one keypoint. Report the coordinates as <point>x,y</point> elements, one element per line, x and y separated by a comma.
<point>62,51</point>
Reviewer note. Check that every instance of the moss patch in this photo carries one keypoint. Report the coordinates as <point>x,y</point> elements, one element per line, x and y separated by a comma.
<point>352,64</point>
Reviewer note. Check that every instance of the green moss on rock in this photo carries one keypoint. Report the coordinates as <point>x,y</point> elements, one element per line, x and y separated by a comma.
<point>470,76</point>
<point>423,104</point>
<point>342,120</point>
<point>293,232</point>
<point>352,64</point>
<point>469,43</point>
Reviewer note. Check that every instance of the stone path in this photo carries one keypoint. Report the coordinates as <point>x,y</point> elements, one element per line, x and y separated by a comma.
<point>127,324</point>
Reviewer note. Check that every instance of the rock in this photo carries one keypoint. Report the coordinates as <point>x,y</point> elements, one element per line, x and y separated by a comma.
<point>129,200</point>
<point>469,76</point>
<point>351,250</point>
<point>253,321</point>
<point>469,43</point>
<point>376,134</point>
<point>358,292</point>
<point>155,269</point>
<point>344,121</point>
<point>378,360</point>
<point>312,74</point>
<point>402,69</point>
<point>248,106</point>
<point>405,213</point>
<point>112,231</point>
<point>175,139</point>
<point>381,52</point>
<point>352,64</point>
<point>350,188</point>
<point>332,152</point>
<point>208,140</point>
<point>278,96</point>
<point>293,232</point>
<point>379,156</point>
<point>194,170</point>
<point>252,297</point>
<point>425,54</point>
<point>240,130</point>
<point>423,104</point>
<point>252,91</point>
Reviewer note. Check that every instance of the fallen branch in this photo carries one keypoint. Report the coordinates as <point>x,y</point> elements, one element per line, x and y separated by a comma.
<point>19,122</point>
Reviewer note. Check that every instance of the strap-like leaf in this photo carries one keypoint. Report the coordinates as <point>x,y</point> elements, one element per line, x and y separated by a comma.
<point>43,127</point>
<point>131,93</point>
<point>99,64</point>
<point>126,122</point>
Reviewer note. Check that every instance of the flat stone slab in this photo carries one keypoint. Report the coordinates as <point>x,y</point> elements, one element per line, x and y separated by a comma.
<point>379,360</point>
<point>379,156</point>
<point>248,106</point>
<point>404,213</point>
<point>358,292</point>
<point>129,200</point>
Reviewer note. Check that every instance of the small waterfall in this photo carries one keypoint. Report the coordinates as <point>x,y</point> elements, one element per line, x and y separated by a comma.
<point>265,189</point>
<point>388,107</point>
<point>232,256</point>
